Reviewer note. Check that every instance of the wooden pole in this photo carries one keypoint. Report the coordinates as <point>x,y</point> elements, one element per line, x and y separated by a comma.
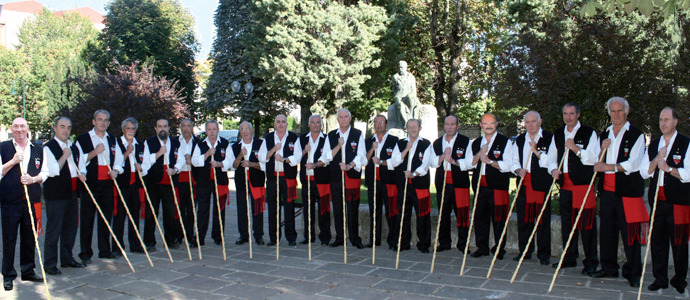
<point>373,240</point>
<point>249,209</point>
<point>220,219</point>
<point>277,213</point>
<point>179,213</point>
<point>474,209</point>
<point>440,216</point>
<point>155,218</point>
<point>342,156</point>
<point>649,235</point>
<point>308,202</point>
<point>402,215</point>
<point>191,198</point>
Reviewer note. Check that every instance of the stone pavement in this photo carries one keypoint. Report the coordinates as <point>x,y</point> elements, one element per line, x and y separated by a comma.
<point>293,276</point>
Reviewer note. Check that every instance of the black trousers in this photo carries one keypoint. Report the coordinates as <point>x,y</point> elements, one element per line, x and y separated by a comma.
<point>204,195</point>
<point>444,239</point>
<point>484,220</point>
<point>131,195</point>
<point>381,198</point>
<point>242,222</point>
<point>273,209</point>
<point>103,193</point>
<point>186,204</point>
<point>589,236</point>
<point>16,216</point>
<point>324,220</point>
<point>662,236</point>
<point>612,218</point>
<point>423,222</point>
<point>161,194</point>
<point>543,236</point>
<point>62,221</point>
<point>351,211</point>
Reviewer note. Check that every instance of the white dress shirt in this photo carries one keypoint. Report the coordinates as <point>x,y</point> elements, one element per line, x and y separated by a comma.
<point>185,148</point>
<point>150,158</point>
<point>527,153</point>
<point>43,173</point>
<point>634,160</point>
<point>588,155</point>
<point>295,158</point>
<point>247,146</point>
<point>361,157</point>
<point>313,144</point>
<point>504,165</point>
<point>198,157</point>
<point>684,172</point>
<point>464,164</point>
<point>397,159</point>
<point>102,158</point>
<point>51,162</point>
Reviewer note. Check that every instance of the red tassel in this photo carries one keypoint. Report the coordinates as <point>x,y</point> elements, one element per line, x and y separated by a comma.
<point>38,212</point>
<point>259,205</point>
<point>530,212</point>
<point>115,197</point>
<point>392,205</point>
<point>681,233</point>
<point>637,231</point>
<point>500,213</point>
<point>424,202</point>
<point>291,189</point>
<point>142,205</point>
<point>463,216</point>
<point>586,220</point>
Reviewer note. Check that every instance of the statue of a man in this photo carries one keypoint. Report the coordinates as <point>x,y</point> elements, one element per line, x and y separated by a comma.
<point>405,96</point>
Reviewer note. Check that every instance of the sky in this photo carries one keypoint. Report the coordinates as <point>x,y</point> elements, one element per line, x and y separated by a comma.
<point>201,10</point>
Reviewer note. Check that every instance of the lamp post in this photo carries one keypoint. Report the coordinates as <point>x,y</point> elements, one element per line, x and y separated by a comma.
<point>14,93</point>
<point>248,91</point>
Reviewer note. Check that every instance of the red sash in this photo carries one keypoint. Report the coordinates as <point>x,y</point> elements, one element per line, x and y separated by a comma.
<point>681,221</point>
<point>378,173</point>
<point>133,178</point>
<point>39,224</point>
<point>579,191</point>
<point>324,196</point>
<point>258,195</point>
<point>142,205</point>
<point>223,191</point>
<point>610,182</point>
<point>482,181</point>
<point>392,205</point>
<point>534,200</point>
<point>462,204</point>
<point>166,178</point>
<point>177,197</point>
<point>75,182</point>
<point>103,172</point>
<point>352,188</point>
<point>637,217</point>
<point>184,177</point>
<point>116,196</point>
<point>500,205</point>
<point>424,202</point>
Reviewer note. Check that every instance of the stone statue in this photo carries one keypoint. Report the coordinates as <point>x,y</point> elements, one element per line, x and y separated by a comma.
<point>405,98</point>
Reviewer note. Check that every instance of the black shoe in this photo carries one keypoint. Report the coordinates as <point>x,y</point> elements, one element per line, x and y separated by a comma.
<point>33,277</point>
<point>461,249</point>
<point>193,244</point>
<point>151,248</point>
<point>500,256</point>
<point>565,265</point>
<point>137,250</point>
<point>174,245</point>
<point>325,243</point>
<point>358,245</point>
<point>8,285</point>
<point>392,247</point>
<point>293,243</point>
<point>369,245</point>
<point>53,271</point>
<point>601,274</point>
<point>442,248</point>
<point>517,258</point>
<point>634,283</point>
<point>107,256</point>
<point>403,248</point>
<point>589,271</point>
<point>655,287</point>
<point>304,241</point>
<point>424,250</point>
<point>117,253</point>
<point>545,262</point>
<point>260,241</point>
<point>336,244</point>
<point>86,261</point>
<point>678,287</point>
<point>218,242</point>
<point>73,264</point>
<point>241,241</point>
<point>271,244</point>
<point>478,254</point>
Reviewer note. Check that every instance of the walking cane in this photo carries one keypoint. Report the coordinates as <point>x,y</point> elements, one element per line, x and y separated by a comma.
<point>179,213</point>
<point>577,220</point>
<point>277,212</point>
<point>649,235</point>
<point>402,218</point>
<point>505,226</point>
<point>100,212</point>
<point>220,219</point>
<point>33,229</point>
<point>249,217</point>
<point>534,231</point>
<point>440,215</point>
<point>308,206</point>
<point>342,156</point>
<point>155,218</point>
<point>373,241</point>
<point>474,209</point>
<point>191,198</point>
<point>131,220</point>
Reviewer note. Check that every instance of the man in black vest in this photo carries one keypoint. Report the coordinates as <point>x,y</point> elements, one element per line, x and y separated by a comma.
<point>413,169</point>
<point>386,188</point>
<point>162,162</point>
<point>315,171</point>
<point>351,141</point>
<point>186,198</point>
<point>579,145</point>
<point>211,153</point>
<point>133,153</point>
<point>669,154</point>
<point>621,189</point>
<point>244,157</point>
<point>101,161</point>
<point>62,206</point>
<point>13,207</point>
<point>281,152</point>
<point>452,158</point>
<point>493,159</point>
<point>531,163</point>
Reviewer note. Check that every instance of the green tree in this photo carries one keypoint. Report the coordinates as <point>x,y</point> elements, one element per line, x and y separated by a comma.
<point>14,72</point>
<point>155,32</point>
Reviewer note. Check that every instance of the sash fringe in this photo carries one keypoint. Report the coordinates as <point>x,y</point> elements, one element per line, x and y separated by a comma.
<point>463,216</point>
<point>587,219</point>
<point>681,233</point>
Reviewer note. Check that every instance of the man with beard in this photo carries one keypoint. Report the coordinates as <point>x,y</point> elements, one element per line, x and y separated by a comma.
<point>162,163</point>
<point>245,161</point>
<point>453,151</point>
<point>379,150</point>
<point>315,173</point>
<point>186,198</point>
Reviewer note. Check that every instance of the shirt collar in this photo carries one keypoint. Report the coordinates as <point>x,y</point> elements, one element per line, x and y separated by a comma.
<point>376,137</point>
<point>311,137</point>
<point>565,129</point>
<point>207,141</point>
<point>17,145</point>
<point>124,141</point>
<point>626,126</point>
<point>93,134</point>
<point>250,142</point>
<point>184,141</point>
<point>346,132</point>
<point>61,144</point>
<point>539,134</point>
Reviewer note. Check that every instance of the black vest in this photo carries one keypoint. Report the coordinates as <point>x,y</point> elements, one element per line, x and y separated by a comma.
<point>84,141</point>
<point>195,142</point>
<point>321,174</point>
<point>418,182</point>
<point>288,150</point>
<point>626,185</point>
<point>350,147</point>
<point>60,186</point>
<point>461,179</point>
<point>675,191</point>
<point>125,178</point>
<point>541,179</point>
<point>203,174</point>
<point>155,174</point>
<point>10,185</point>
<point>387,176</point>
<point>579,173</point>
<point>256,177</point>
<point>494,177</point>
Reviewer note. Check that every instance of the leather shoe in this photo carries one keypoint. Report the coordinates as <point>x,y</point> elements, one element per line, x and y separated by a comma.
<point>151,248</point>
<point>293,243</point>
<point>545,262</point>
<point>655,287</point>
<point>500,256</point>
<point>86,261</point>
<point>260,242</point>
<point>304,241</point>
<point>565,265</point>
<point>589,271</point>
<point>137,250</point>
<point>424,250</point>
<point>336,244</point>
<point>73,264</point>
<point>218,242</point>
<point>369,245</point>
<point>358,245</point>
<point>678,287</point>
<point>517,258</point>
<point>634,283</point>
<point>442,248</point>
<point>478,254</point>
<point>107,256</point>
<point>240,241</point>
<point>8,285</point>
<point>270,244</point>
<point>174,246</point>
<point>53,271</point>
<point>601,274</point>
<point>325,243</point>
<point>33,277</point>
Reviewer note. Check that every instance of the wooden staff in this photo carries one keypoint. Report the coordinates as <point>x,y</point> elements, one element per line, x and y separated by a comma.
<point>402,215</point>
<point>220,220</point>
<point>308,204</point>
<point>33,227</point>
<point>100,212</point>
<point>342,156</point>
<point>249,207</point>
<point>649,235</point>
<point>373,240</point>
<point>577,220</point>
<point>278,212</point>
<point>131,220</point>
<point>474,209</point>
<point>505,226</point>
<point>541,213</point>
<point>191,198</point>
<point>179,213</point>
<point>155,218</point>
<point>440,216</point>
